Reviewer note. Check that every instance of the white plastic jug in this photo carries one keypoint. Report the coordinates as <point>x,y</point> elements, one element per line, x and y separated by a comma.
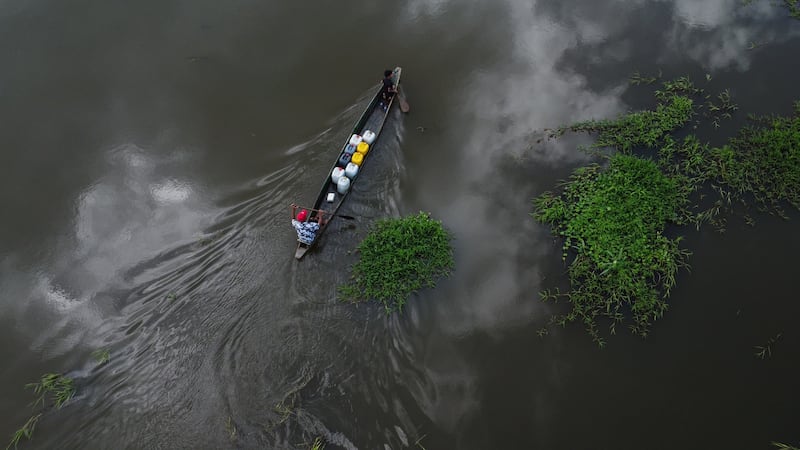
<point>368,137</point>
<point>355,139</point>
<point>351,170</point>
<point>343,185</point>
<point>337,173</point>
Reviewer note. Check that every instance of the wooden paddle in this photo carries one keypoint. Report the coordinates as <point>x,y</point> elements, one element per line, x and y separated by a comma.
<point>402,99</point>
<point>341,215</point>
<point>326,213</point>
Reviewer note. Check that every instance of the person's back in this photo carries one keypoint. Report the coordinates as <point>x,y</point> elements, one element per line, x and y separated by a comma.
<point>306,231</point>
<point>388,89</point>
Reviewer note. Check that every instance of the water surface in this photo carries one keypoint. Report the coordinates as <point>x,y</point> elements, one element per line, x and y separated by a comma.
<point>150,152</point>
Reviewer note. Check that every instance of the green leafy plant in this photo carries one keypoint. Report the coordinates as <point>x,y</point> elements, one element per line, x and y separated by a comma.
<point>612,221</point>
<point>637,78</point>
<point>101,355</point>
<point>26,431</point>
<point>761,163</point>
<point>644,128</point>
<point>794,7</point>
<point>762,160</point>
<point>58,387</point>
<point>230,428</point>
<point>317,444</point>
<point>612,218</point>
<point>51,386</point>
<point>397,258</point>
<point>284,410</point>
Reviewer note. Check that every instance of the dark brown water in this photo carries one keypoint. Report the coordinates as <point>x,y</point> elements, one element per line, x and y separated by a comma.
<point>149,154</point>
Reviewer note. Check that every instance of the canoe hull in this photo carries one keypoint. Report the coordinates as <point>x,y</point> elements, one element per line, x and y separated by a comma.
<point>373,118</point>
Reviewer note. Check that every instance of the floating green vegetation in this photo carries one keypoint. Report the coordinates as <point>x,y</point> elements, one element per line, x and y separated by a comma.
<point>284,410</point>
<point>612,217</point>
<point>637,78</point>
<point>763,160</point>
<point>761,163</point>
<point>782,446</point>
<point>230,428</point>
<point>721,110</point>
<point>26,431</point>
<point>688,160</point>
<point>612,220</point>
<point>397,258</point>
<point>101,356</point>
<point>317,444</point>
<point>56,386</point>
<point>643,128</point>
<point>794,7</point>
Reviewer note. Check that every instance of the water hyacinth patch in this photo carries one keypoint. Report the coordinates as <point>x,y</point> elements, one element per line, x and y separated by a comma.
<point>397,258</point>
<point>611,221</point>
<point>612,218</point>
<point>760,164</point>
<point>644,128</point>
<point>763,160</point>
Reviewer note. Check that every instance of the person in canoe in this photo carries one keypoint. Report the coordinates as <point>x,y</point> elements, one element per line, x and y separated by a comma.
<point>306,231</point>
<point>388,89</point>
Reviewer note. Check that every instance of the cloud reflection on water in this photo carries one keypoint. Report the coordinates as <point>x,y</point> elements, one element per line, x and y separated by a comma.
<point>130,215</point>
<point>141,206</point>
<point>718,34</point>
<point>133,213</point>
<point>491,292</point>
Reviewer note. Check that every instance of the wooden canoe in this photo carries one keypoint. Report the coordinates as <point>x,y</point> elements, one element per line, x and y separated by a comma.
<point>373,119</point>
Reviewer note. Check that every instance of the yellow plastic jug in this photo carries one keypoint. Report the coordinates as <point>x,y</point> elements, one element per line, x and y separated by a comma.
<point>357,158</point>
<point>362,147</point>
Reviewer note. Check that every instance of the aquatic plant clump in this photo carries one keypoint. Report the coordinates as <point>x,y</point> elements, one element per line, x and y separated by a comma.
<point>101,356</point>
<point>612,220</point>
<point>26,431</point>
<point>620,254</point>
<point>397,258</point>
<point>55,385</point>
<point>640,129</point>
<point>793,6</point>
<point>646,128</point>
<point>762,162</point>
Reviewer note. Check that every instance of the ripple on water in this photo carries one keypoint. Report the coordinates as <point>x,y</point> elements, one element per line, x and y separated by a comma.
<point>223,324</point>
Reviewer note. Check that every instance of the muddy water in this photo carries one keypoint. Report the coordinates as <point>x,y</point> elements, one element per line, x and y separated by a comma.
<point>150,150</point>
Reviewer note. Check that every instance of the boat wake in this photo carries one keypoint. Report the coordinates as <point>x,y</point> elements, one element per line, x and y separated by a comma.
<point>221,329</point>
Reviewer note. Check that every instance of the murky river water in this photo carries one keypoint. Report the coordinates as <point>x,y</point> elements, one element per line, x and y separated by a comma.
<point>149,154</point>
